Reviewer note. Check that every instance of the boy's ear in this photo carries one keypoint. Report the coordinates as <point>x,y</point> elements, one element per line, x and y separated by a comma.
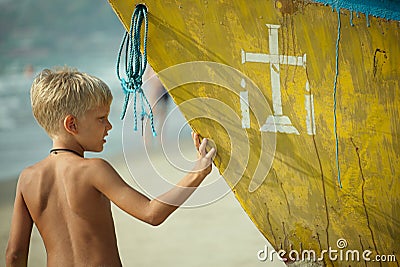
<point>70,124</point>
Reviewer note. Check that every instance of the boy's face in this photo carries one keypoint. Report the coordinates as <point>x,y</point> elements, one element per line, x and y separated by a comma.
<point>93,126</point>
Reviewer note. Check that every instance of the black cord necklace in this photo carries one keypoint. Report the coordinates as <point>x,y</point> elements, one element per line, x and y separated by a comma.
<point>55,150</point>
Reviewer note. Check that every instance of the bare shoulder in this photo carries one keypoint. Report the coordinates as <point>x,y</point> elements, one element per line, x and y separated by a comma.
<point>99,170</point>
<point>27,175</point>
<point>105,178</point>
<point>97,165</point>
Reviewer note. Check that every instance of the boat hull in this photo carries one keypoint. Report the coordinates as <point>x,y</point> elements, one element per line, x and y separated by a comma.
<point>304,113</point>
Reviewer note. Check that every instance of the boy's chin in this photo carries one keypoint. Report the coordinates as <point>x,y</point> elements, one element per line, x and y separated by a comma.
<point>96,150</point>
<point>100,149</point>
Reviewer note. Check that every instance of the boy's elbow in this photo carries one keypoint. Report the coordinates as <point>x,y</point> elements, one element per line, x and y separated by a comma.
<point>14,257</point>
<point>155,220</point>
<point>155,224</point>
<point>11,258</point>
<point>154,217</point>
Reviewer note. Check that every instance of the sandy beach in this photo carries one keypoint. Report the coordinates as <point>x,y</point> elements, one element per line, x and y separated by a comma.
<point>217,234</point>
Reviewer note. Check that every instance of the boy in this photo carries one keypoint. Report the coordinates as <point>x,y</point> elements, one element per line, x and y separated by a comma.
<point>68,196</point>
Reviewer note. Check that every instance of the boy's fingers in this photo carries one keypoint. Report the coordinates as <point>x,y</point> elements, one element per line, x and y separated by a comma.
<point>210,153</point>
<point>202,147</point>
<point>196,141</point>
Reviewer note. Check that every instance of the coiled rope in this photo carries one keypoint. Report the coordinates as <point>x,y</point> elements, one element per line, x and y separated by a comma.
<point>135,65</point>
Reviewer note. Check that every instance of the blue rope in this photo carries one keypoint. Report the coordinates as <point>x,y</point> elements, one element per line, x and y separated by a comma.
<point>334,99</point>
<point>135,65</point>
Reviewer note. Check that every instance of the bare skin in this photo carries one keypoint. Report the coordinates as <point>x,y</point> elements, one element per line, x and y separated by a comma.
<point>68,198</point>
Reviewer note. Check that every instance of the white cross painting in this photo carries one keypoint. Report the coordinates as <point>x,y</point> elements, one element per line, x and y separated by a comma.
<point>279,122</point>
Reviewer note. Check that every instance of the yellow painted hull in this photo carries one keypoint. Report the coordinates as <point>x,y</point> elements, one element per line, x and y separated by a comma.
<point>298,203</point>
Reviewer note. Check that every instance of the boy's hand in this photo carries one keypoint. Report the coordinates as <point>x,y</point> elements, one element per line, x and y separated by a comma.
<point>204,158</point>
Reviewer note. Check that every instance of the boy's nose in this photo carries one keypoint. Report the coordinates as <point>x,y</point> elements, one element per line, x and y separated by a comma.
<point>109,125</point>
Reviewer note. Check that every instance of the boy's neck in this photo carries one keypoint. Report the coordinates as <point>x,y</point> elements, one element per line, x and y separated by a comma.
<point>58,150</point>
<point>62,146</point>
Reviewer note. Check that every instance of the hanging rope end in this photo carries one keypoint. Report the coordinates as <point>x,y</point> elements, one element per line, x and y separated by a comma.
<point>135,65</point>
<point>339,180</point>
<point>122,116</point>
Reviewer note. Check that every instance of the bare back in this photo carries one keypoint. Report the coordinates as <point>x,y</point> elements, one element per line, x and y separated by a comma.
<point>72,216</point>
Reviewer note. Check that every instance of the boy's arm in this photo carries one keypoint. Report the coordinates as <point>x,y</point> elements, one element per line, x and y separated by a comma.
<point>20,232</point>
<point>157,210</point>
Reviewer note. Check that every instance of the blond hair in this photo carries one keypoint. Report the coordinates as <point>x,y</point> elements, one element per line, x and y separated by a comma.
<point>65,91</point>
